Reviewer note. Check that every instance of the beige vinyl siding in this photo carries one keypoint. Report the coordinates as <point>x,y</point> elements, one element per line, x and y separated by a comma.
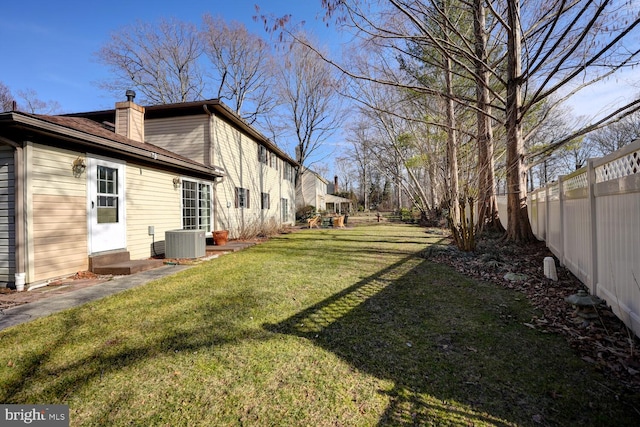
<point>152,200</point>
<point>59,236</point>
<point>237,153</point>
<point>57,230</point>
<point>187,136</point>
<point>314,191</point>
<point>7,215</point>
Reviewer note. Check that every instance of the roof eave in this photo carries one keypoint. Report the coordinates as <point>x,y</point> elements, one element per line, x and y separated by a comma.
<point>94,141</point>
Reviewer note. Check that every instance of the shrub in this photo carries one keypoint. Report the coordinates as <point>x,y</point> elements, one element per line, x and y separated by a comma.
<point>306,212</point>
<point>258,229</point>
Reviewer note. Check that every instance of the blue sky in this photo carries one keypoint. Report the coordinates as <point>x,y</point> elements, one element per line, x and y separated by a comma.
<point>49,46</point>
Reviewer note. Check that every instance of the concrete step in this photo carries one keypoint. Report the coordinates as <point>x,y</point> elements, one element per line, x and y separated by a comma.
<point>128,267</point>
<point>107,258</point>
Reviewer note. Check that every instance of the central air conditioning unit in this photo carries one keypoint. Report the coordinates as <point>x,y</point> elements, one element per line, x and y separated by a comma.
<point>185,244</point>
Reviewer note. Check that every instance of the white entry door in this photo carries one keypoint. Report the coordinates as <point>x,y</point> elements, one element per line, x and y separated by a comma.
<point>107,227</point>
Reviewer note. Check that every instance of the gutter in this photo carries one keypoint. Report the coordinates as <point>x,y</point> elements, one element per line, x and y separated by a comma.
<point>88,140</point>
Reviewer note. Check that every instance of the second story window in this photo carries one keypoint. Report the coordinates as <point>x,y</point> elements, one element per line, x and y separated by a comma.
<point>288,172</point>
<point>263,155</point>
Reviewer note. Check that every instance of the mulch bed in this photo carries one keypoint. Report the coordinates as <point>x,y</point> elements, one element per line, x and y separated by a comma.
<point>604,342</point>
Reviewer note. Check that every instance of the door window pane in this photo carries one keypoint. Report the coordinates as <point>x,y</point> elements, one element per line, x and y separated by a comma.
<point>107,199</point>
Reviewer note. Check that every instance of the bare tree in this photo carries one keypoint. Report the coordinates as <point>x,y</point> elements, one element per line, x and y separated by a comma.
<point>160,61</point>
<point>487,200</point>
<point>574,155</point>
<point>6,99</point>
<point>568,45</point>
<point>308,92</point>
<point>32,104</point>
<point>347,174</point>
<point>29,102</point>
<point>360,156</point>
<point>397,132</point>
<point>551,48</point>
<point>243,67</point>
<point>616,135</point>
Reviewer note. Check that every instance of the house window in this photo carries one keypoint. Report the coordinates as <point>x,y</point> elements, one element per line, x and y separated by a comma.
<point>107,195</point>
<point>263,155</point>
<point>196,205</point>
<point>274,161</point>
<point>242,197</point>
<point>204,205</point>
<point>288,172</point>
<point>265,201</point>
<point>285,209</point>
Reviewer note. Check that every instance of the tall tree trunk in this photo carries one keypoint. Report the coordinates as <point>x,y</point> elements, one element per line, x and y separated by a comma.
<point>432,172</point>
<point>487,202</point>
<point>518,227</point>
<point>452,145</point>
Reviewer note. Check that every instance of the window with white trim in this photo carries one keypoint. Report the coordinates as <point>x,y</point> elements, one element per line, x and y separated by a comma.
<point>196,205</point>
<point>107,195</point>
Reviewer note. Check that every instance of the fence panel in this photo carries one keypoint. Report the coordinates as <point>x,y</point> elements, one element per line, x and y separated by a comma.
<point>577,239</point>
<point>590,220</point>
<point>577,255</point>
<point>617,206</point>
<point>542,215</point>
<point>502,210</point>
<point>554,221</point>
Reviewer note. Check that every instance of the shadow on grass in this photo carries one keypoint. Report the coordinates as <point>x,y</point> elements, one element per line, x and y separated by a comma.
<point>153,336</point>
<point>457,352</point>
<point>344,245</point>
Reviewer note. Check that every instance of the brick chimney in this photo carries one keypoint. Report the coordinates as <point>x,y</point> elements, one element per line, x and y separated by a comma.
<point>335,184</point>
<point>130,118</point>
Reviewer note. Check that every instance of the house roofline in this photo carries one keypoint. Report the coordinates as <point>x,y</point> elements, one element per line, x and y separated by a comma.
<point>195,108</point>
<point>320,177</point>
<point>151,154</point>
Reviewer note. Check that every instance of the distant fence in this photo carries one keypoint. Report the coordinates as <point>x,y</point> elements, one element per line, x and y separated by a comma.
<point>590,220</point>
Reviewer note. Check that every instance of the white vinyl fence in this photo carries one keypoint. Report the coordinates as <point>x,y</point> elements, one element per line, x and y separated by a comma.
<point>590,220</point>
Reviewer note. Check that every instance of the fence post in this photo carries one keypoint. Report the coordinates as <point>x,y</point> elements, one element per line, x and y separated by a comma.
<point>561,219</point>
<point>593,227</point>
<point>546,214</point>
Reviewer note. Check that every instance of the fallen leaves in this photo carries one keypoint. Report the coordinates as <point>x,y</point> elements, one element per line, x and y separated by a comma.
<point>604,342</point>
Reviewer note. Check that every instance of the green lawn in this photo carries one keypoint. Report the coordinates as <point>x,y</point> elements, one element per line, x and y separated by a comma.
<point>343,327</point>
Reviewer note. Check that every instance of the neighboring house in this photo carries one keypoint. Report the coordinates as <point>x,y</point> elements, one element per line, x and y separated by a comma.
<point>78,186</point>
<point>315,191</point>
<point>334,203</point>
<point>311,191</point>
